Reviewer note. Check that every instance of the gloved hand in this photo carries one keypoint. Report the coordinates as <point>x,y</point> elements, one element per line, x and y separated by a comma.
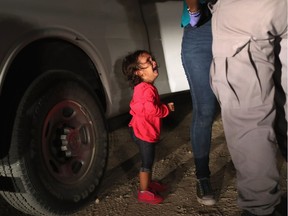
<point>194,18</point>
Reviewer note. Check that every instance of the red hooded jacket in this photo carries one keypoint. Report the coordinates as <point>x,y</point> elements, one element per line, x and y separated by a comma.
<point>147,110</point>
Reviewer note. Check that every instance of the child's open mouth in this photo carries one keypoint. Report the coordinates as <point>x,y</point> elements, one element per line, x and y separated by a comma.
<point>155,69</point>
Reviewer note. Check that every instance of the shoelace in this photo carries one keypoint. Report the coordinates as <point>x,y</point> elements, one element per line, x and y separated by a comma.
<point>205,187</point>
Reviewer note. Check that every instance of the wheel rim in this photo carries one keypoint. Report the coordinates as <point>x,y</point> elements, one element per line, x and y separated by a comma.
<point>67,142</point>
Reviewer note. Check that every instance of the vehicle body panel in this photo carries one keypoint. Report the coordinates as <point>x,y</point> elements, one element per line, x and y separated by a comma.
<point>106,31</point>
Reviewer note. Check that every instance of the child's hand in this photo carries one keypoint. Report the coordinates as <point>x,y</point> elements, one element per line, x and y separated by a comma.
<point>171,106</point>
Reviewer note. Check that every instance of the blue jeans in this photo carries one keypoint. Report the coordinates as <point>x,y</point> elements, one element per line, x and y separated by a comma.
<point>147,153</point>
<point>196,56</point>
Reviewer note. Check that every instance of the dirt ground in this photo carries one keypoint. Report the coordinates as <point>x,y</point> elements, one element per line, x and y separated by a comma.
<point>174,166</point>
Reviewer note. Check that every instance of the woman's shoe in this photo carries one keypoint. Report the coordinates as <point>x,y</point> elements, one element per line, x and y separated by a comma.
<point>205,194</point>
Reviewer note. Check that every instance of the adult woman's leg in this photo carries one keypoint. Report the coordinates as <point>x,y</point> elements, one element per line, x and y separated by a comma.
<point>196,58</point>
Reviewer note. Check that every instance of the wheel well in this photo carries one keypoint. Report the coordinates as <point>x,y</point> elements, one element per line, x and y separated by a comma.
<point>34,60</point>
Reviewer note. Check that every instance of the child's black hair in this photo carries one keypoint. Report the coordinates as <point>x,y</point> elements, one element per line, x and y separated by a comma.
<point>130,65</point>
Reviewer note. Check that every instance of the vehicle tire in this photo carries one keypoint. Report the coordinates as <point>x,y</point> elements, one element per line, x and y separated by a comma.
<point>58,149</point>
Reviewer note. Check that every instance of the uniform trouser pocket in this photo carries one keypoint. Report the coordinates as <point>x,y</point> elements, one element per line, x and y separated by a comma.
<point>244,79</point>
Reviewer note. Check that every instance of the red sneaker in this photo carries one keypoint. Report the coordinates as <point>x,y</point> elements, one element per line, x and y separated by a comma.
<point>157,187</point>
<point>149,197</point>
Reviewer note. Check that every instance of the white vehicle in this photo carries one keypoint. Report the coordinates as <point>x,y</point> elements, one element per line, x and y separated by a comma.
<point>61,82</point>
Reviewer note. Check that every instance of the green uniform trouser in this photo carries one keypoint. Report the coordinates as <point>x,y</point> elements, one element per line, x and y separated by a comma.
<point>245,34</point>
